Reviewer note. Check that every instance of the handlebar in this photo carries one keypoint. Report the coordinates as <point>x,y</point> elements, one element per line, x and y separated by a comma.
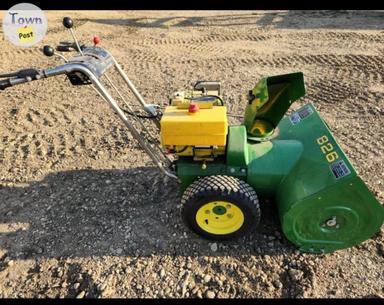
<point>5,83</point>
<point>22,73</point>
<point>19,77</point>
<point>9,82</point>
<point>27,75</point>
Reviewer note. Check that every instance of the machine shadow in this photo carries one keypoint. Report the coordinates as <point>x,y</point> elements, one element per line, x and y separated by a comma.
<point>295,19</point>
<point>132,212</point>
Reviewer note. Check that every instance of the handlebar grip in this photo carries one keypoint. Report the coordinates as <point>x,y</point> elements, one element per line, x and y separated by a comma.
<point>5,83</point>
<point>28,72</point>
<point>63,48</point>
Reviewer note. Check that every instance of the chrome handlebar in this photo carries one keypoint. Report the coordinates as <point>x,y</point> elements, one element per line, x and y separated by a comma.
<point>93,63</point>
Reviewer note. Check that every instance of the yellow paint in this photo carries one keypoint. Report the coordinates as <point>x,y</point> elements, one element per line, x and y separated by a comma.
<point>206,127</point>
<point>261,128</point>
<point>26,34</point>
<point>327,148</point>
<point>229,221</point>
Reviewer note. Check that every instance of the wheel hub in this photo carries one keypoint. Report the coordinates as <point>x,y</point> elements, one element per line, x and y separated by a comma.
<point>220,217</point>
<point>219,210</point>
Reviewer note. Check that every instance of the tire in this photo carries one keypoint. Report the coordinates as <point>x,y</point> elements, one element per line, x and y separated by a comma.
<point>220,207</point>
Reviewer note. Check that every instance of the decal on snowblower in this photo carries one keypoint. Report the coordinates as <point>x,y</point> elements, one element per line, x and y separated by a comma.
<point>340,169</point>
<point>300,115</point>
<point>327,148</point>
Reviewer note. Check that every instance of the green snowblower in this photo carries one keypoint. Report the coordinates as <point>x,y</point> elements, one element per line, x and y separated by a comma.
<point>223,170</point>
<point>323,205</point>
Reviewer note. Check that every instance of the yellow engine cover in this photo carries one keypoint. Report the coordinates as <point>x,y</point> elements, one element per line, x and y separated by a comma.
<point>206,127</point>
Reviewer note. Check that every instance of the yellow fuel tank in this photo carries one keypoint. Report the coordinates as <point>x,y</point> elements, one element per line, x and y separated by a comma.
<point>206,127</point>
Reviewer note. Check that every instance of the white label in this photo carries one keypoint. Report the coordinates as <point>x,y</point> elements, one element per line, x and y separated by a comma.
<point>340,169</point>
<point>300,115</point>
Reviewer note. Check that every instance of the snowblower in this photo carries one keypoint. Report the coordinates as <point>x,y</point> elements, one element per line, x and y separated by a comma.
<point>223,170</point>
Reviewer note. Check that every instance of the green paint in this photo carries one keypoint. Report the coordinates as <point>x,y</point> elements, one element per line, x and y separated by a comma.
<point>271,98</point>
<point>292,169</point>
<point>271,162</point>
<point>297,174</point>
<point>189,170</point>
<point>237,152</point>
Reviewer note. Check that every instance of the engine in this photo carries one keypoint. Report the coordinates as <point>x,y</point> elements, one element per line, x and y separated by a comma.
<point>195,123</point>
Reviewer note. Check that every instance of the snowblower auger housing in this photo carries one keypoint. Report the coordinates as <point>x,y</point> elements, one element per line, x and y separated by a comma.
<point>322,203</point>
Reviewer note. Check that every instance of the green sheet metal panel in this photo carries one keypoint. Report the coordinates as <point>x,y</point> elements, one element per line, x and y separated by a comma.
<point>270,99</point>
<point>323,186</point>
<point>237,150</point>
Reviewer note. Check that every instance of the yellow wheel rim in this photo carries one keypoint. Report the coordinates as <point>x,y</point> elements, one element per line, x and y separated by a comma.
<point>219,217</point>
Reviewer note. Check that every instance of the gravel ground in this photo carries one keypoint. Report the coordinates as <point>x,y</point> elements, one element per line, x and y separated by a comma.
<point>84,213</point>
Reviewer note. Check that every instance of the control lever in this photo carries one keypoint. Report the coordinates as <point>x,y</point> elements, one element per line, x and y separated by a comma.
<point>49,51</point>
<point>96,40</point>
<point>68,23</point>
